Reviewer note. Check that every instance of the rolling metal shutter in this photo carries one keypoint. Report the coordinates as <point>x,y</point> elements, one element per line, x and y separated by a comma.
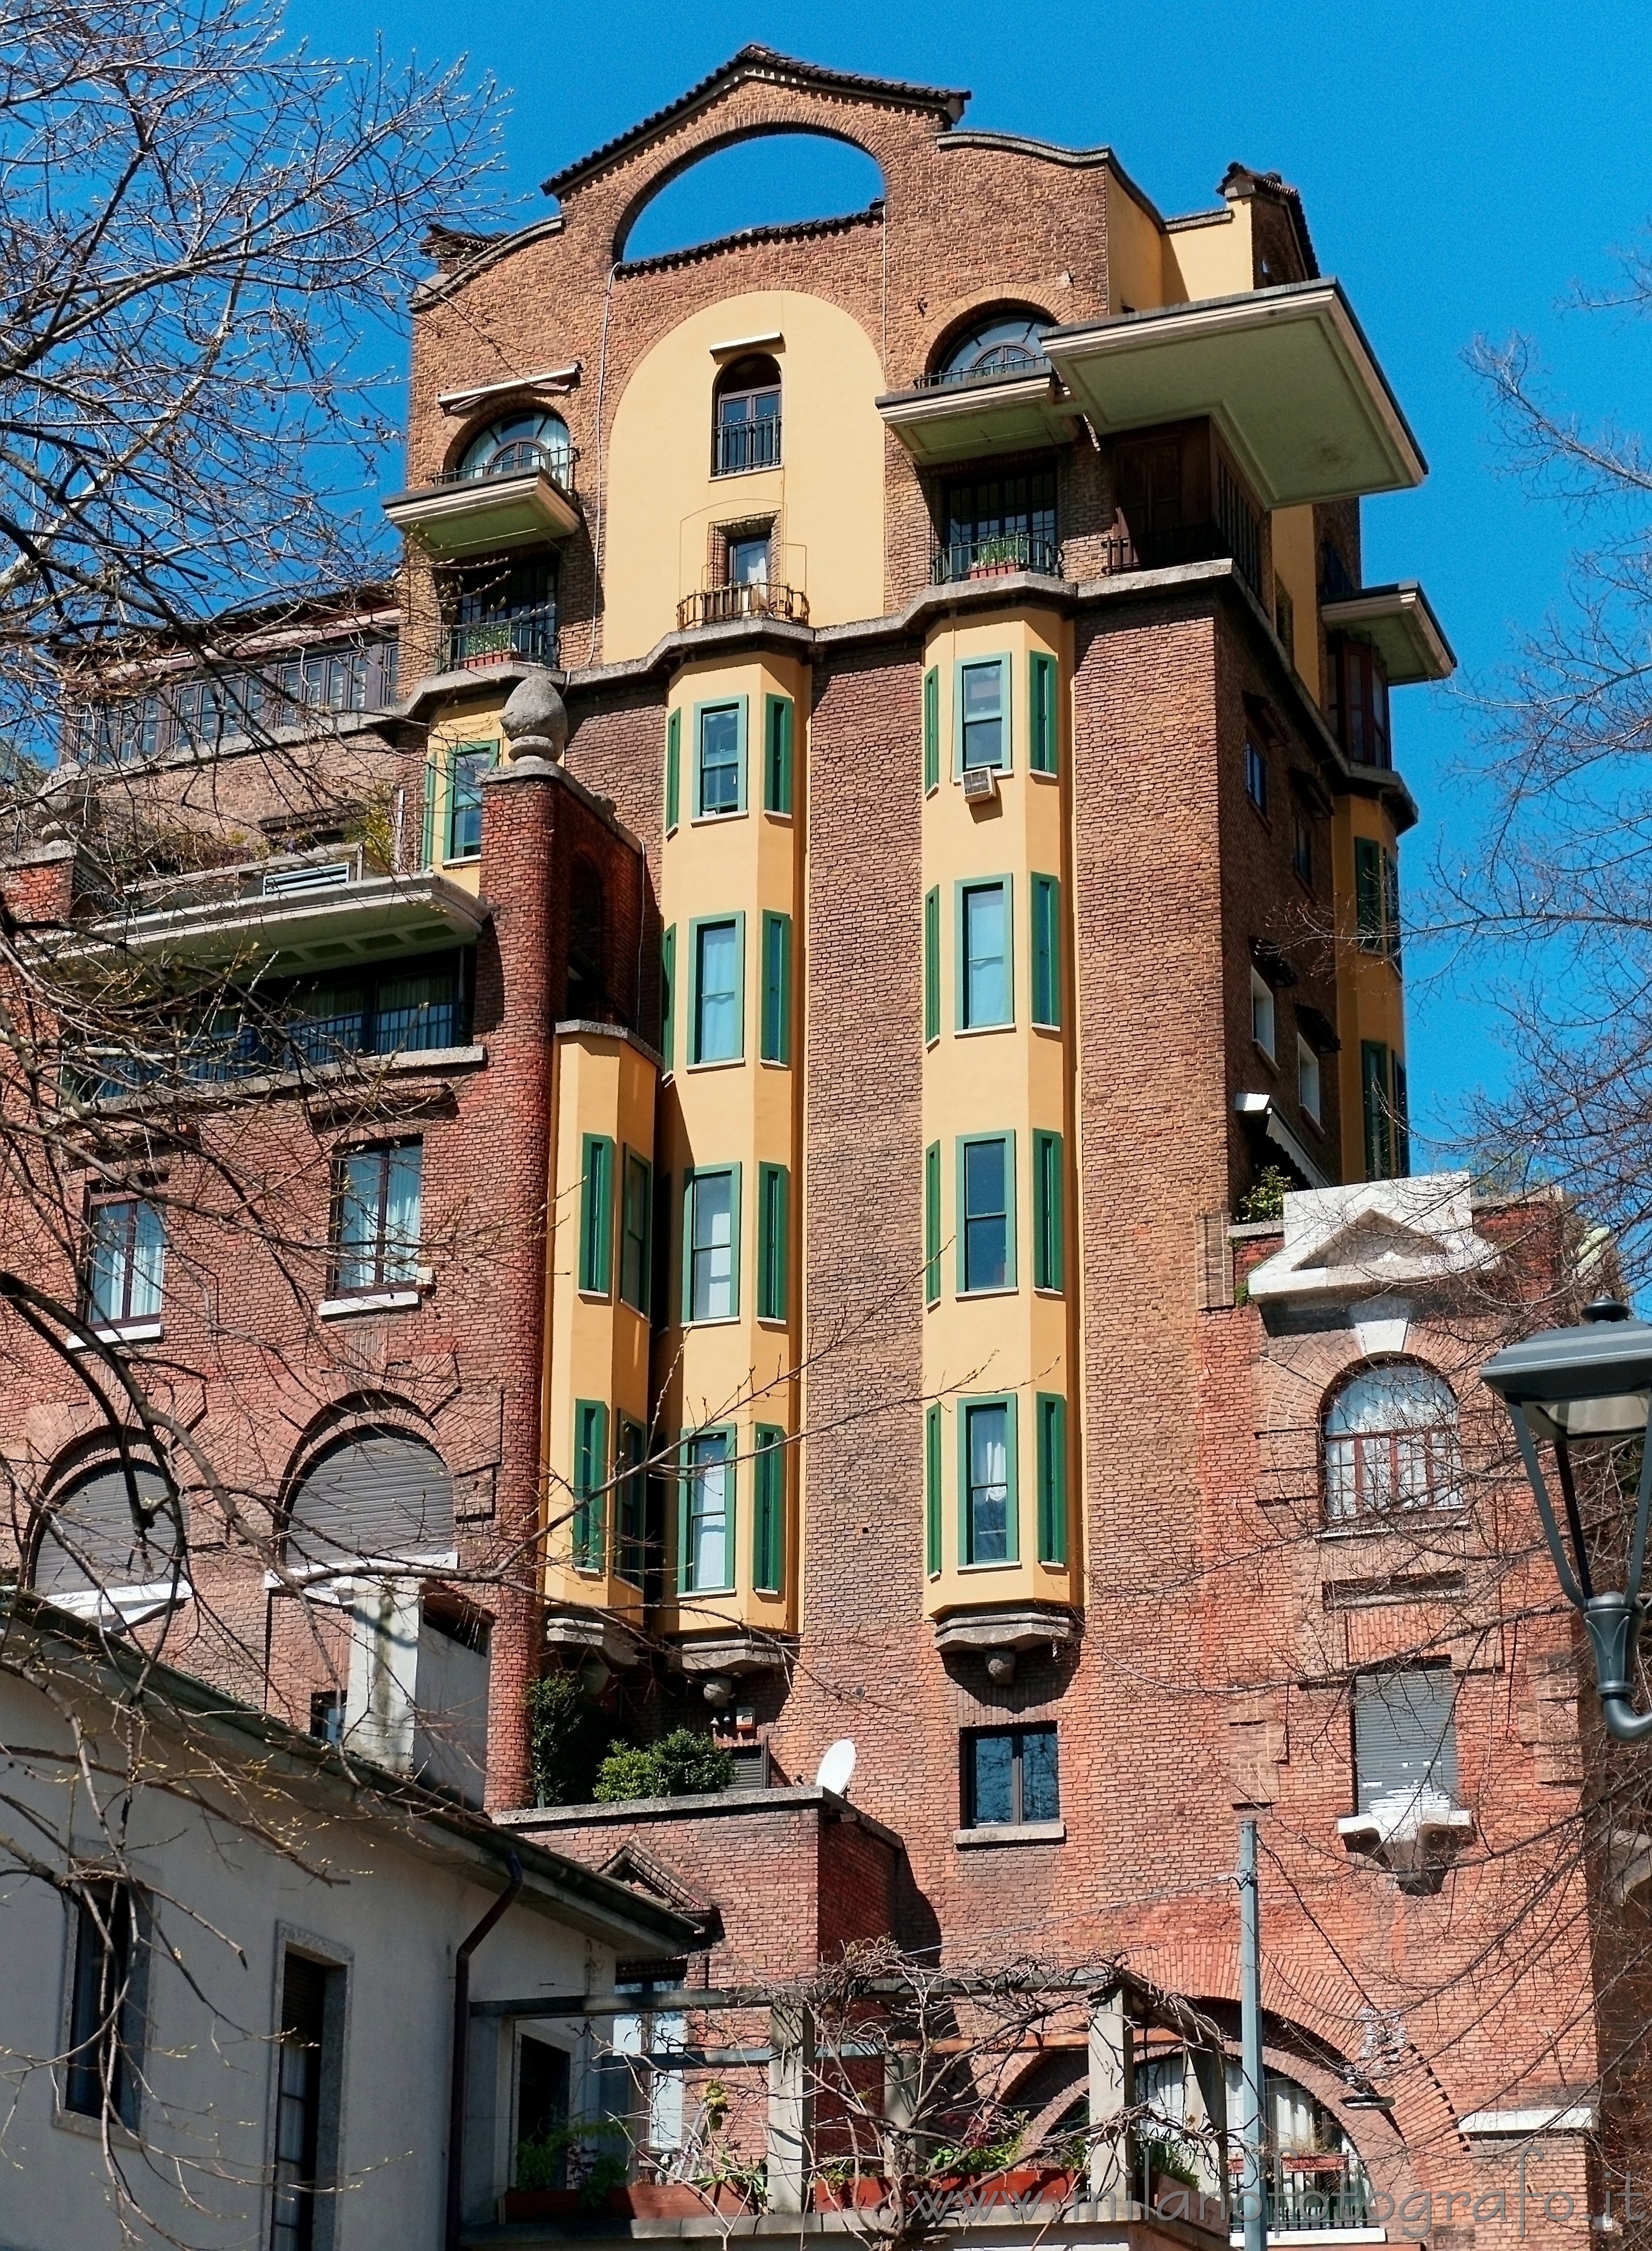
<point>90,1540</point>
<point>379,1496</point>
<point>1405,1734</point>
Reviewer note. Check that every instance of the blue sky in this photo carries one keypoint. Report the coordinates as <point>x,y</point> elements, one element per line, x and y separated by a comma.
<point>1461,166</point>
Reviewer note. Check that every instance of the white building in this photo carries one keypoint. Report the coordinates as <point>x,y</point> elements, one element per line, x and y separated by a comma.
<point>227,1972</point>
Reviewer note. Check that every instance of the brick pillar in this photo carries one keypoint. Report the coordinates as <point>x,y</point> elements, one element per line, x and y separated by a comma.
<point>521,808</point>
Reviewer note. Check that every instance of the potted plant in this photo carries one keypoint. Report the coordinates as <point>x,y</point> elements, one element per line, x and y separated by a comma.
<point>566,2173</point>
<point>995,557</point>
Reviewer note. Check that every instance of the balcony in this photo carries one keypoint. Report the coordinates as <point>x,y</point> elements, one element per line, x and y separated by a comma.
<point>1286,375</point>
<point>1239,541</point>
<point>310,909</point>
<point>719,606</point>
<point>526,495</point>
<point>960,417</point>
<point>1400,623</point>
<point>526,635</point>
<point>999,555</point>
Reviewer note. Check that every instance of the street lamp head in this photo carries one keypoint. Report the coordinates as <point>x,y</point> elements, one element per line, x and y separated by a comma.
<point>1592,1382</point>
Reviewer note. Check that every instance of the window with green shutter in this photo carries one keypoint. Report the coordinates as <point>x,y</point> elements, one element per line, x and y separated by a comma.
<point>711,1244</point>
<point>774,1185</point>
<point>1402,1120</point>
<point>932,1224</point>
<point>1390,906</point>
<point>932,1490</point>
<point>673,770</point>
<point>1042,726</point>
<point>1376,1089</point>
<point>433,778</point>
<point>720,760</point>
<point>1376,897</point>
<point>776,754</point>
<point>931,965</point>
<point>985,1212</point>
<point>931,730</point>
<point>636,1225</point>
<point>716,989</point>
<point>987,1480</point>
<point>631,1490</point>
<point>597,1215</point>
<point>668,996</point>
<point>768,1510</point>
<point>1052,1478</point>
<point>1047,1246</point>
<point>776,1033</point>
<point>1046,949</point>
<point>591,1473</point>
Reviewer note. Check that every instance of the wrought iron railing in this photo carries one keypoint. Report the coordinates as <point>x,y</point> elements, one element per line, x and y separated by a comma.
<point>746,445</point>
<point>213,1058</point>
<point>948,379</point>
<point>529,632</point>
<point>1181,543</point>
<point>518,461</point>
<point>994,555</point>
<point>715,605</point>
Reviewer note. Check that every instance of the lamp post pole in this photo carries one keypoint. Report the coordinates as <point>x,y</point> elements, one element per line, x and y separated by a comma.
<point>1253,2192</point>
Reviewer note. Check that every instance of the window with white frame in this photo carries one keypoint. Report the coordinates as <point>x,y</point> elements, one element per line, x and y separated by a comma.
<point>126,1257</point>
<point>1263,1014</point>
<point>1308,1084</point>
<point>1392,1442</point>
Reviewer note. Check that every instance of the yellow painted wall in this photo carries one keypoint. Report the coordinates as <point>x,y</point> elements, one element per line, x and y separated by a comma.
<point>475,727</point>
<point>741,1371</point>
<point>1016,1079</point>
<point>827,495</point>
<point>596,1348</point>
<point>1215,260</point>
<point>1296,563</point>
<point>1371,1001</point>
<point>1140,274</point>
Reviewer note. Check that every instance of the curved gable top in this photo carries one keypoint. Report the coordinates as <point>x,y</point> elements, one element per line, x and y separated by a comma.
<point>946,104</point>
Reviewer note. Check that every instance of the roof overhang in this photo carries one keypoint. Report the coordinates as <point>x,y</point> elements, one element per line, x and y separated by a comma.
<point>956,421</point>
<point>1400,624</point>
<point>474,515</point>
<point>1286,375</point>
<point>386,915</point>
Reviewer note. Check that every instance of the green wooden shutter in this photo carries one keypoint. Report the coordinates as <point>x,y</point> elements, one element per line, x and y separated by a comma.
<point>777,770</point>
<point>776,1039</point>
<point>932,1490</point>
<point>1047,1260</point>
<point>1046,949</point>
<point>597,1215</point>
<point>932,1224</point>
<point>673,770</point>
<point>1051,1478</point>
<point>427,847</point>
<point>668,996</point>
<point>768,1511</point>
<point>1368,893</point>
<point>1041,678</point>
<point>774,1199</point>
<point>931,730</point>
<point>1390,906</point>
<point>1378,1118</point>
<point>590,1471</point>
<point>1401,1121</point>
<point>932,964</point>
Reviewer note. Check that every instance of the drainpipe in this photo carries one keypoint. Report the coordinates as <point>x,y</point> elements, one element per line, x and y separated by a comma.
<point>461,2053</point>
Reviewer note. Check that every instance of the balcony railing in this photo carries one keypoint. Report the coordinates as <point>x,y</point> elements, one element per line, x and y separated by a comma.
<point>1010,371</point>
<point>299,1043</point>
<point>746,446</point>
<point>529,633</point>
<point>1182,543</point>
<point>715,605</point>
<point>994,557</point>
<point>518,461</point>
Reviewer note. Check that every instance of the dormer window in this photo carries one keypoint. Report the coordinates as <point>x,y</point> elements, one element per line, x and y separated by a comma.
<point>746,406</point>
<point>519,443</point>
<point>1010,345</point>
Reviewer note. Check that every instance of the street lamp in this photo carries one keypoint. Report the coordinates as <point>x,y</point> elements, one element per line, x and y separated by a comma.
<point>1592,1382</point>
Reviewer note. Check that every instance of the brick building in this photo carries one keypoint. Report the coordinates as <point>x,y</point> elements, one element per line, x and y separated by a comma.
<point>883,840</point>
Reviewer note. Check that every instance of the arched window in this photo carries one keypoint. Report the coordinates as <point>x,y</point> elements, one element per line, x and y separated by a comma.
<point>746,416</point>
<point>587,942</point>
<point>1010,343</point>
<point>109,1532</point>
<point>1390,1442</point>
<point>378,1495</point>
<point>528,439</point>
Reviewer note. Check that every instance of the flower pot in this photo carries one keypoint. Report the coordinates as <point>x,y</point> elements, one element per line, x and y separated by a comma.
<point>1015,2184</point>
<point>540,2203</point>
<point>676,2200</point>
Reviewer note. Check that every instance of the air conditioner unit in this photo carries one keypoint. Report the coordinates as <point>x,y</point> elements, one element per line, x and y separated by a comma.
<point>980,785</point>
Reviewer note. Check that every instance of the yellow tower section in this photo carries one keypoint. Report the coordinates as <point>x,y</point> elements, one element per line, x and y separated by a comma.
<point>1000,1245</point>
<point>730,1148</point>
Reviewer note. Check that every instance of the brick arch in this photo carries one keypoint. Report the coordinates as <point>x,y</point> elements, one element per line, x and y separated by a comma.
<point>715,144</point>
<point>356,1413</point>
<point>991,304</point>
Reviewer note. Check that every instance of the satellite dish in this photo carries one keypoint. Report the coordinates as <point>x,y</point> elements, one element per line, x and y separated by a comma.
<point>836,1768</point>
